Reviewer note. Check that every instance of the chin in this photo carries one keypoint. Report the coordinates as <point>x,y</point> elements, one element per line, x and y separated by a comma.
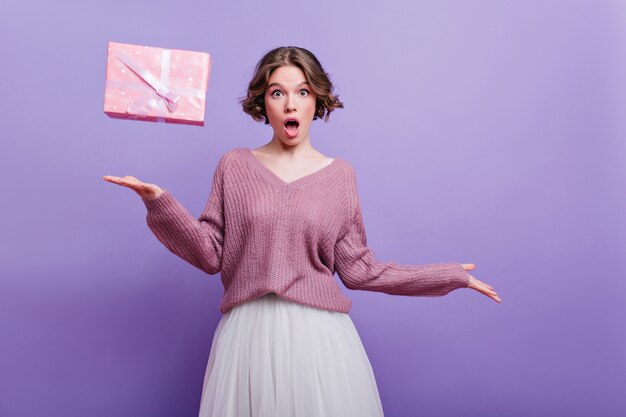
<point>291,142</point>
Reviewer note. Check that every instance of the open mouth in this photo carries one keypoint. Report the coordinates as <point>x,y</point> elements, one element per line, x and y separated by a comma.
<point>291,127</point>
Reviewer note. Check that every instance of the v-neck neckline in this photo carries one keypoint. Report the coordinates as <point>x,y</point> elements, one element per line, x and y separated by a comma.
<point>299,182</point>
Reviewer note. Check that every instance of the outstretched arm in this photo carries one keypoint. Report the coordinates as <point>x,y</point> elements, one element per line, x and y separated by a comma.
<point>358,269</point>
<point>199,241</point>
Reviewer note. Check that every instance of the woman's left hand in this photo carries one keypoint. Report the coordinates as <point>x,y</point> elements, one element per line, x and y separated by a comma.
<point>480,286</point>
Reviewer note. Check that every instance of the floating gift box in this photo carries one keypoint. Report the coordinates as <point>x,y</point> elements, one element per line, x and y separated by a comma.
<point>156,84</point>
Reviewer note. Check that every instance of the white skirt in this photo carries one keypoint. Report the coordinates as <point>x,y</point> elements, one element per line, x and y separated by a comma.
<point>271,357</point>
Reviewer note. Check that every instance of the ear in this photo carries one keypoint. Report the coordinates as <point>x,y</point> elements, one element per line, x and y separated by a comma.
<point>320,110</point>
<point>262,112</point>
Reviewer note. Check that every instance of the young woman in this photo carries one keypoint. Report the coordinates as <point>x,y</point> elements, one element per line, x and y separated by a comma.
<point>279,222</point>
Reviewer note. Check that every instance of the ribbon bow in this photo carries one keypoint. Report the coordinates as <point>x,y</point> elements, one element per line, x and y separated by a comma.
<point>159,86</point>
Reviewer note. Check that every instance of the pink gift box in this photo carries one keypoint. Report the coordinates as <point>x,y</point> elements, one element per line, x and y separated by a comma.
<point>156,84</point>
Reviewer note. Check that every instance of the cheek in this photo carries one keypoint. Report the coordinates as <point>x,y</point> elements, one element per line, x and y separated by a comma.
<point>270,108</point>
<point>311,105</point>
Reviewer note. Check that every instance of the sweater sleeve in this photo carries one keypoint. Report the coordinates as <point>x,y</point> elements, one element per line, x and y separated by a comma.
<point>197,241</point>
<point>359,270</point>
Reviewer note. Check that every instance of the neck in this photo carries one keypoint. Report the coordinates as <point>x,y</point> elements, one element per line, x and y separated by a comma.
<point>300,148</point>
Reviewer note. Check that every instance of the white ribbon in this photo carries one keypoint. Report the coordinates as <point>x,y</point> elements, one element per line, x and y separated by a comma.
<point>168,96</point>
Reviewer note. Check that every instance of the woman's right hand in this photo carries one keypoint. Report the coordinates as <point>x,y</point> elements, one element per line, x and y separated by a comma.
<point>145,190</point>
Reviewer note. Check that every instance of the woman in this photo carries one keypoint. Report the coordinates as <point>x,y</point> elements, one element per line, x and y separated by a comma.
<point>280,221</point>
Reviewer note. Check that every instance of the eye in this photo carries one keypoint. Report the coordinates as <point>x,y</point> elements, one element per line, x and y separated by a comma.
<point>276,93</point>
<point>304,92</point>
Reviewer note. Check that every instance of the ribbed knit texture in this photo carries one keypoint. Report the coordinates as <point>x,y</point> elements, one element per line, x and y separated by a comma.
<point>267,235</point>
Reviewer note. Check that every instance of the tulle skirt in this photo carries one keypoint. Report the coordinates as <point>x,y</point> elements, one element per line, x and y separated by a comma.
<point>271,357</point>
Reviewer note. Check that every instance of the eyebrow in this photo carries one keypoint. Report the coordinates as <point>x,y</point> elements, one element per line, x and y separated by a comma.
<point>280,85</point>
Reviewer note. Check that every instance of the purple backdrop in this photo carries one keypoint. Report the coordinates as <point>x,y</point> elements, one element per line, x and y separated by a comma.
<point>484,131</point>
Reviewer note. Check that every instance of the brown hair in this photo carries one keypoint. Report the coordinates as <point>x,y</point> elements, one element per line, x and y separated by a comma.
<point>254,101</point>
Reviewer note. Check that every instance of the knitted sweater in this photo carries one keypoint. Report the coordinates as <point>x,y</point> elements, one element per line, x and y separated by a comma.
<point>267,235</point>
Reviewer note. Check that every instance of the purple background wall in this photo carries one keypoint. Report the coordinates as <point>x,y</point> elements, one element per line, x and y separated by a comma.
<point>484,131</point>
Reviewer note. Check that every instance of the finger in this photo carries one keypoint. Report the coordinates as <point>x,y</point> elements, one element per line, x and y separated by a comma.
<point>468,267</point>
<point>113,179</point>
<point>125,182</point>
<point>482,288</point>
<point>488,291</point>
<point>493,296</point>
<point>484,284</point>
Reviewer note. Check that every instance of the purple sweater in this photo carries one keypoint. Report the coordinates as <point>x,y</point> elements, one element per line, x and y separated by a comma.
<point>267,235</point>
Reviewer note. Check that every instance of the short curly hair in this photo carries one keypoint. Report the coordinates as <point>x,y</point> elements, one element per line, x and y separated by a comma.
<point>253,102</point>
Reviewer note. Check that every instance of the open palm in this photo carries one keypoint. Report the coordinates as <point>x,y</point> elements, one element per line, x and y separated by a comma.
<point>145,190</point>
<point>480,286</point>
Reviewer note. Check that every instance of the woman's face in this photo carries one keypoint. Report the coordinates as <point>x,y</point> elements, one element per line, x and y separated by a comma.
<point>289,104</point>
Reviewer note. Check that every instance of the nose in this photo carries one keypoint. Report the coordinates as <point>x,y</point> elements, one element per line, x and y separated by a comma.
<point>290,105</point>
